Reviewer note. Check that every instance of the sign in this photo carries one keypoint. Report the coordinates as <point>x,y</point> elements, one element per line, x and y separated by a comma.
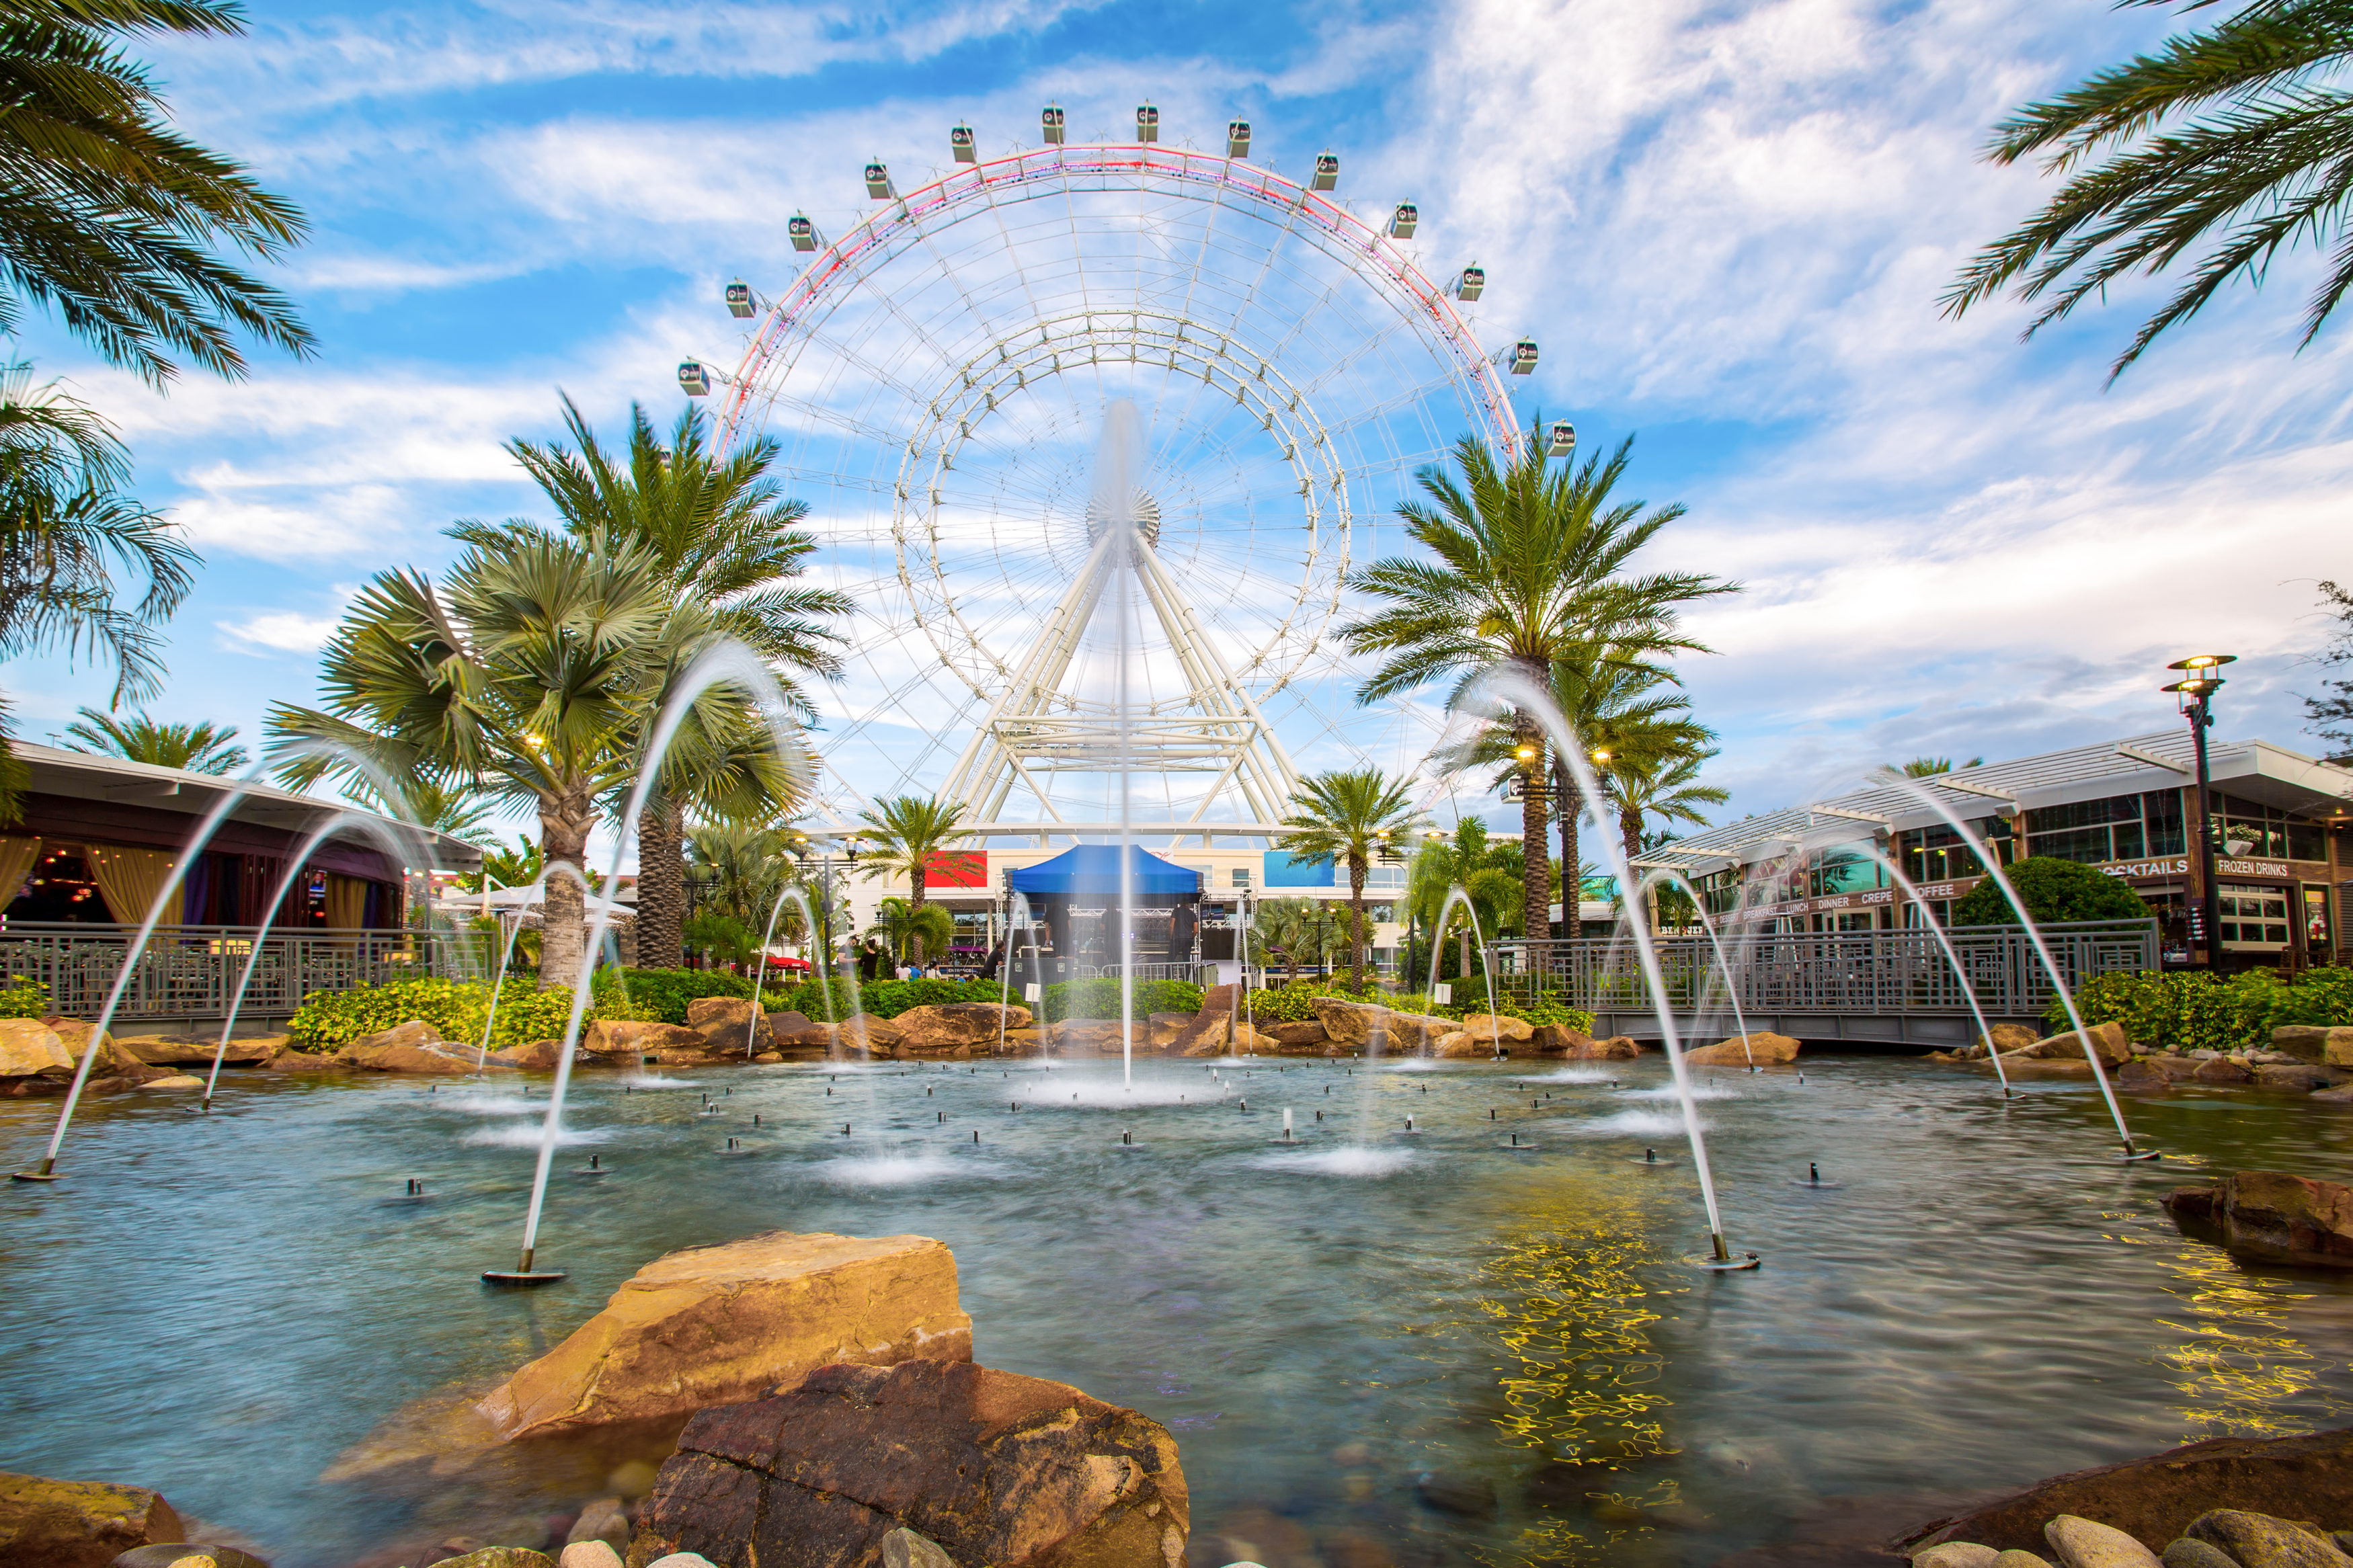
<point>1442,993</point>
<point>956,869</point>
<point>1030,992</point>
<point>2174,866</point>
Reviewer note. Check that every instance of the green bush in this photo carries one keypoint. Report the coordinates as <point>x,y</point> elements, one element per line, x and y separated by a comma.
<point>457,1009</point>
<point>883,998</point>
<point>2053,891</point>
<point>664,993</point>
<point>1295,1004</point>
<point>25,998</point>
<point>2193,1009</point>
<point>1100,999</point>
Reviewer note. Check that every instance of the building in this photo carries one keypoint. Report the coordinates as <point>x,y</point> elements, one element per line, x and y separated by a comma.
<point>2284,875</point>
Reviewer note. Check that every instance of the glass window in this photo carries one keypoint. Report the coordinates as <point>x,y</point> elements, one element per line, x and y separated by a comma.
<point>2125,841</point>
<point>1937,854</point>
<point>1844,868</point>
<point>2162,814</point>
<point>2086,844</point>
<point>1241,876</point>
<point>2253,916</point>
<point>2307,840</point>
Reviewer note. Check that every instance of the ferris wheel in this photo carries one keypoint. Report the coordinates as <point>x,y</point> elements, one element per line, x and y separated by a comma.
<point>936,379</point>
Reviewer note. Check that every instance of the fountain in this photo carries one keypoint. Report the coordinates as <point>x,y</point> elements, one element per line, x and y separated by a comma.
<point>1961,975</point>
<point>1456,894</point>
<point>1731,986</point>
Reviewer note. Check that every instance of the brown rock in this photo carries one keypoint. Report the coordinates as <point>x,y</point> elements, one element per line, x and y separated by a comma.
<point>956,1028</point>
<point>2088,1543</point>
<point>1764,1048</point>
<point>2318,1043</point>
<point>412,1047</point>
<point>47,1523</point>
<point>1165,1027</point>
<point>1298,1034</point>
<point>1570,1044</point>
<point>2294,1075</point>
<point>1081,1036</point>
<point>538,1056</point>
<point>2221,1070</point>
<point>1207,1033</point>
<point>29,1046</point>
<point>2142,1072</point>
<point>2109,1040</point>
<point>1025,1042</point>
<point>191,1050</point>
<point>994,1467</point>
<point>499,1557</point>
<point>2156,1500</point>
<point>2005,1038</point>
<point>714,1325</point>
<point>2259,1540</point>
<point>2273,1217</point>
<point>1494,1026</point>
<point>1247,1041</point>
<point>727,1026</point>
<point>1222,999</point>
<point>1463,1042</point>
<point>2342,1095</point>
<point>629,1039</point>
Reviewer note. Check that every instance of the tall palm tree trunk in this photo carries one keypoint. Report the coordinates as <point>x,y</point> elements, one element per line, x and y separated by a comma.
<point>563,824</point>
<point>914,907</point>
<point>1572,884</point>
<point>1536,862</point>
<point>661,884</point>
<point>1357,923</point>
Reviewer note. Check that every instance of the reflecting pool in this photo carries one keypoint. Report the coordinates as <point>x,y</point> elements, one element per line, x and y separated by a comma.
<point>1374,1347</point>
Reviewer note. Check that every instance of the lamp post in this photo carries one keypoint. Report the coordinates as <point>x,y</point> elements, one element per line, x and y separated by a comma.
<point>2195,692</point>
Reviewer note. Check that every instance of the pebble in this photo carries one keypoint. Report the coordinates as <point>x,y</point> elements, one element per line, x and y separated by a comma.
<point>903,1547</point>
<point>2259,1540</point>
<point>601,1521</point>
<point>2017,1559</point>
<point>1955,1554</point>
<point>2188,1553</point>
<point>682,1560</point>
<point>2087,1543</point>
<point>589,1554</point>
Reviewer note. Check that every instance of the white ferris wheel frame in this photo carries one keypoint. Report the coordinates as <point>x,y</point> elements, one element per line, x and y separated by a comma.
<point>1224,733</point>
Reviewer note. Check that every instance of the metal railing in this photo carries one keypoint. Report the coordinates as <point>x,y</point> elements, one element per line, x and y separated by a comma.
<point>1874,973</point>
<point>190,971</point>
<point>1144,972</point>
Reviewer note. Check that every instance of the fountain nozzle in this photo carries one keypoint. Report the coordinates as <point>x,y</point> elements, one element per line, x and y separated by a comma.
<point>1651,1157</point>
<point>1813,1173</point>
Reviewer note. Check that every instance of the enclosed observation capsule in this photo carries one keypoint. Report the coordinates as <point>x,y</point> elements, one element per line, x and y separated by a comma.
<point>739,299</point>
<point>803,233</point>
<point>1470,284</point>
<point>694,379</point>
<point>1524,356</point>
<point>1327,171</point>
<point>1403,221</point>
<point>1564,439</point>
<point>878,182</point>
<point>1147,122</point>
<point>960,143</point>
<point>1050,121</point>
<point>1238,138</point>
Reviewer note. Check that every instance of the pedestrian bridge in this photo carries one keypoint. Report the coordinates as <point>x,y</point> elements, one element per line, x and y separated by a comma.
<point>1889,988</point>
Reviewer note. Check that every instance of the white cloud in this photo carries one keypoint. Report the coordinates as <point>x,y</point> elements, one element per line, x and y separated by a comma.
<point>279,631</point>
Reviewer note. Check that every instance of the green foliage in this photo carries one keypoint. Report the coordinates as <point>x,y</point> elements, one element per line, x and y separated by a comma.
<point>25,998</point>
<point>1295,1004</point>
<point>328,1020</point>
<point>2054,891</point>
<point>1100,999</point>
<point>887,998</point>
<point>663,993</point>
<point>2192,1009</point>
<point>724,936</point>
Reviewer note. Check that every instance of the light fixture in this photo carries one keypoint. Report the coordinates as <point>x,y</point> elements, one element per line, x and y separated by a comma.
<point>1526,753</point>
<point>1602,757</point>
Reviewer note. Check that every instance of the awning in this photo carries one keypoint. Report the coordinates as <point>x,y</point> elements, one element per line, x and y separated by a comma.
<point>1092,871</point>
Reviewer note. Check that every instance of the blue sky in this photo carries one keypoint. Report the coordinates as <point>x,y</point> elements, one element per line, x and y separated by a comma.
<point>1729,222</point>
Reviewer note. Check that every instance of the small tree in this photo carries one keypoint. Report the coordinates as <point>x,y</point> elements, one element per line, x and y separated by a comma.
<point>2054,891</point>
<point>199,748</point>
<point>1350,817</point>
<point>908,832</point>
<point>911,930</point>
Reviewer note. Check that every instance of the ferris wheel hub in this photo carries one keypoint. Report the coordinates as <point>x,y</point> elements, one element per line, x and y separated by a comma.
<point>1144,511</point>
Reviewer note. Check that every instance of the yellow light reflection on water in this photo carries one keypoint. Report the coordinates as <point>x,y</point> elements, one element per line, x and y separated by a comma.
<point>2237,1364</point>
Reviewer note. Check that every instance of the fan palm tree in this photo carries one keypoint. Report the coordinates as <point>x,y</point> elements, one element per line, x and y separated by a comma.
<point>1530,566</point>
<point>532,675</point>
<point>1350,817</point>
<point>749,868</point>
<point>911,930</point>
<point>111,218</point>
<point>199,748</point>
<point>1285,928</point>
<point>2237,138</point>
<point>909,832</point>
<point>1658,786</point>
<point>434,805</point>
<point>722,530</point>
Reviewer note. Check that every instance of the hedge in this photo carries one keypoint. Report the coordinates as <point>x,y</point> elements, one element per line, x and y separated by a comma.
<point>664,993</point>
<point>27,998</point>
<point>1100,999</point>
<point>1294,1004</point>
<point>883,999</point>
<point>2194,1009</point>
<point>457,1009</point>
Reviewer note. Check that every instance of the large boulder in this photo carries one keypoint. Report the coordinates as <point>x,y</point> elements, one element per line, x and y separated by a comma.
<point>1576,1046</point>
<point>1762,1047</point>
<point>2108,1040</point>
<point>709,1325</point>
<point>30,1047</point>
<point>863,1034</point>
<point>537,1056</point>
<point>1303,1035</point>
<point>413,1046</point>
<point>1347,1023</point>
<point>1208,1034</point>
<point>725,1024</point>
<point>797,1035</point>
<point>2272,1218</point>
<point>993,1467</point>
<point>77,1524</point>
<point>1494,1026</point>
<point>626,1039</point>
<point>2259,1540</point>
<point>2323,1045</point>
<point>1167,1027</point>
<point>1085,1036</point>
<point>191,1050</point>
<point>1463,1042</point>
<point>2156,1500</point>
<point>2004,1038</point>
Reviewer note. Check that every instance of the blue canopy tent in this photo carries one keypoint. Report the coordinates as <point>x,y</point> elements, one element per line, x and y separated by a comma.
<point>1074,899</point>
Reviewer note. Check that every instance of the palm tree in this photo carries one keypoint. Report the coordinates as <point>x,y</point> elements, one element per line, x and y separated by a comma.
<point>1529,568</point>
<point>111,218</point>
<point>1352,817</point>
<point>1285,928</point>
<point>723,532</point>
<point>532,675</point>
<point>1929,767</point>
<point>434,805</point>
<point>2236,138</point>
<point>909,832</point>
<point>199,748</point>
<point>910,929</point>
<point>1658,786</point>
<point>749,869</point>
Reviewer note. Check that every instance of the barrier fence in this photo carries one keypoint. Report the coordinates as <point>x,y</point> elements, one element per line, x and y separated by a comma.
<point>191,971</point>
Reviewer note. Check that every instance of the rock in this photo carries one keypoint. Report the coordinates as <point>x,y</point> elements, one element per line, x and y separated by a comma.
<point>172,1554</point>
<point>2016,1559</point>
<point>994,1467</point>
<point>2087,1543</point>
<point>1084,1036</point>
<point>2273,1076</point>
<point>499,1557</point>
<point>2272,1218</point>
<point>2344,1539</point>
<point>2108,1040</point>
<point>903,1547</point>
<point>1298,1034</point>
<point>629,1039</point>
<point>682,1560</point>
<point>589,1554</point>
<point>957,1029</point>
<point>2259,1540</point>
<point>1494,1026</point>
<point>1461,1043</point>
<point>187,1050</point>
<point>2342,1095</point>
<point>1346,1023</point>
<point>1766,1049</point>
<point>2154,1499</point>
<point>602,1519</point>
<point>1955,1554</point>
<point>2319,1044</point>
<point>1471,1497</point>
<point>176,1080</point>
<point>539,1056</point>
<point>1165,1027</point>
<point>48,1523</point>
<point>2005,1038</point>
<point>769,1058</point>
<point>412,1047</point>
<point>712,1324</point>
<point>29,1046</point>
<point>2142,1072</point>
<point>2221,1070</point>
<point>2188,1553</point>
<point>1616,1048</point>
<point>727,1027</point>
<point>1207,1033</point>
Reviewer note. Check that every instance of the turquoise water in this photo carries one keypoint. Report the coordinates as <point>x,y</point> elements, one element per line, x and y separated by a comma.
<point>1373,1348</point>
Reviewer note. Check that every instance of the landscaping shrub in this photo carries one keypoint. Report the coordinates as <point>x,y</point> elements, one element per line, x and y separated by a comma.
<point>2053,891</point>
<point>25,998</point>
<point>1294,1004</point>
<point>329,1020</point>
<point>1100,999</point>
<point>663,995</point>
<point>2193,1009</point>
<point>883,998</point>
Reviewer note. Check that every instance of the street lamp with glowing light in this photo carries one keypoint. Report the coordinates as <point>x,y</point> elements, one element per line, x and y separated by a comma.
<point>2194,693</point>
